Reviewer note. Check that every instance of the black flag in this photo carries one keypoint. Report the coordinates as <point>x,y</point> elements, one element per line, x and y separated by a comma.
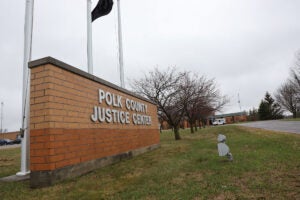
<point>103,8</point>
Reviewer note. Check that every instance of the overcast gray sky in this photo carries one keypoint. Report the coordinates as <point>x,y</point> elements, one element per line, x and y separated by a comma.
<point>248,46</point>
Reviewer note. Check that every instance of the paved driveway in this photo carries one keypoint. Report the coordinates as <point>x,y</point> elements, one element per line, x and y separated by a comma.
<point>276,125</point>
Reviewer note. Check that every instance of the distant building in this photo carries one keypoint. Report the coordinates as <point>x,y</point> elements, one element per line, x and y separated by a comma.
<point>9,135</point>
<point>185,124</point>
<point>230,119</point>
<point>233,117</point>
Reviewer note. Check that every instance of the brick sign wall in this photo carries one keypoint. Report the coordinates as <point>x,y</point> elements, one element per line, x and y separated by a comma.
<point>10,135</point>
<point>79,122</point>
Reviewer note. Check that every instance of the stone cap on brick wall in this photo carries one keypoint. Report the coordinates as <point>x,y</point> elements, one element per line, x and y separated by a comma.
<point>65,66</point>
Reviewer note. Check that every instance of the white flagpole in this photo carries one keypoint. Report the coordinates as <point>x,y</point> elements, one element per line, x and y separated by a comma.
<point>26,85</point>
<point>1,129</point>
<point>89,37</point>
<point>121,63</point>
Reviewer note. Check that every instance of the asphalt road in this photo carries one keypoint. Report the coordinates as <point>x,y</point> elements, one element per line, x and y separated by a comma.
<point>276,125</point>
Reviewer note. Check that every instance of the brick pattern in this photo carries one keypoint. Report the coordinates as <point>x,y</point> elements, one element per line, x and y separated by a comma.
<point>237,118</point>
<point>10,135</point>
<point>55,148</point>
<point>61,131</point>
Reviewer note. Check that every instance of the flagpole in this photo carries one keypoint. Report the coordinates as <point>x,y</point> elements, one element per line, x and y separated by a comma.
<point>26,85</point>
<point>1,129</point>
<point>89,37</point>
<point>121,63</point>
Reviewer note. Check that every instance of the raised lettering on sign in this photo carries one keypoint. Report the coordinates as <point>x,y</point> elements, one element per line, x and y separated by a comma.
<point>113,113</point>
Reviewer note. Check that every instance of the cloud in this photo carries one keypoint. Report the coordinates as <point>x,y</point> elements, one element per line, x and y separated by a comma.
<point>247,46</point>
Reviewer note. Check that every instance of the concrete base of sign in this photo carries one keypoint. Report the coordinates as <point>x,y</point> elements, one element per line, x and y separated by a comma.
<point>40,179</point>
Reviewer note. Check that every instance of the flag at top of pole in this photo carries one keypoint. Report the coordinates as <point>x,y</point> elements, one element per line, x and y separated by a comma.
<point>103,8</point>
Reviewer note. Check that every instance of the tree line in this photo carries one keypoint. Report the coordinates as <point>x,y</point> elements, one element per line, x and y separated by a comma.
<point>268,109</point>
<point>287,98</point>
<point>180,95</point>
<point>288,94</point>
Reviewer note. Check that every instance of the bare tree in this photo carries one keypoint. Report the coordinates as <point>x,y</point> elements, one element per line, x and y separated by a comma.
<point>189,94</point>
<point>201,98</point>
<point>162,87</point>
<point>288,94</point>
<point>295,72</point>
<point>287,97</point>
<point>179,95</point>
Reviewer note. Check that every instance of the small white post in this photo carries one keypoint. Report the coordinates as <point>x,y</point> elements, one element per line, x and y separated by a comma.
<point>89,37</point>
<point>25,160</point>
<point>121,63</point>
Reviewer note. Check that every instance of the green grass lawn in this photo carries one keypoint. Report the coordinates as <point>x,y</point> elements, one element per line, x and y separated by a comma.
<point>266,166</point>
<point>9,162</point>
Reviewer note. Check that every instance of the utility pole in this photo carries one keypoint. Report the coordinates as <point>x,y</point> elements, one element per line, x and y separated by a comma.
<point>239,102</point>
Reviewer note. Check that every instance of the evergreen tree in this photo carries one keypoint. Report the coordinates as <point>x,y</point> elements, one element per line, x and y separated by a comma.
<point>268,109</point>
<point>263,111</point>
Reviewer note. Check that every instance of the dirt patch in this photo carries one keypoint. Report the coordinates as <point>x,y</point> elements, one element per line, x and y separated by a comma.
<point>225,195</point>
<point>4,162</point>
<point>133,174</point>
<point>182,177</point>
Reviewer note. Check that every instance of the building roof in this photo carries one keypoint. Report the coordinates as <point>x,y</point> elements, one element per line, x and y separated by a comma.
<point>231,114</point>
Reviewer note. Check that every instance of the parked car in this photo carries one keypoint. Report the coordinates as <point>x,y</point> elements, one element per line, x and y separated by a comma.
<point>8,141</point>
<point>2,142</point>
<point>17,141</point>
<point>220,121</point>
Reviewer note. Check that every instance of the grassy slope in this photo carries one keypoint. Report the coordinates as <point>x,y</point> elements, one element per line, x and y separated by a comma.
<point>266,165</point>
<point>9,162</point>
